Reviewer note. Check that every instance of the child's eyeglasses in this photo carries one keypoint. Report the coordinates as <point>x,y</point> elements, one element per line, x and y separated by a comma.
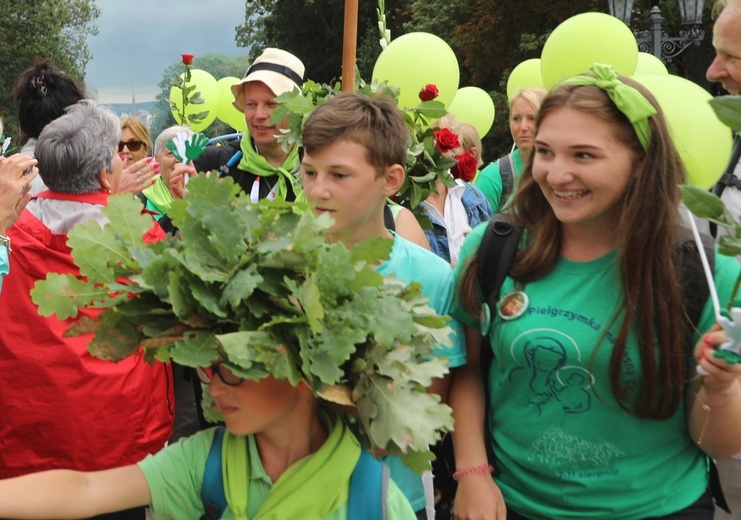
<point>133,145</point>
<point>206,375</point>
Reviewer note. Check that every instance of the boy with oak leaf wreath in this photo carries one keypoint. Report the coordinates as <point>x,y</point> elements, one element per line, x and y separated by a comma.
<point>299,465</point>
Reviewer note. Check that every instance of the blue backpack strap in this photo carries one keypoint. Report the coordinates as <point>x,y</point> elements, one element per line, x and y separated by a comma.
<point>212,493</point>
<point>368,489</point>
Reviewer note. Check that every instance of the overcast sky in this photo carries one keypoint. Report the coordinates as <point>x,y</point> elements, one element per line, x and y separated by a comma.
<point>138,39</point>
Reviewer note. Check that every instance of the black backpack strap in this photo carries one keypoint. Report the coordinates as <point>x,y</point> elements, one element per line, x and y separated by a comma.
<point>494,259</point>
<point>506,172</point>
<point>495,254</point>
<point>693,285</point>
<point>729,178</point>
<point>388,218</point>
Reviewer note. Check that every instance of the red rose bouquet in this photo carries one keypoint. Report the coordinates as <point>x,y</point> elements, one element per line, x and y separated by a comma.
<point>429,93</point>
<point>465,166</point>
<point>445,140</point>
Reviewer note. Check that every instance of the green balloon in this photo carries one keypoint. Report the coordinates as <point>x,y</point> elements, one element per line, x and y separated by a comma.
<point>525,75</point>
<point>415,60</point>
<point>650,64</point>
<point>585,39</point>
<point>209,91</point>
<point>703,142</point>
<point>227,112</point>
<point>474,106</point>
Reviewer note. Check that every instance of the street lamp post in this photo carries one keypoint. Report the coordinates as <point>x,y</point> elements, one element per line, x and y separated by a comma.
<point>655,40</point>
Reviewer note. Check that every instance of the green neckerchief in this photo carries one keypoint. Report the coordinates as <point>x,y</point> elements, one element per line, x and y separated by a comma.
<point>626,98</point>
<point>312,488</point>
<point>255,163</point>
<point>159,196</point>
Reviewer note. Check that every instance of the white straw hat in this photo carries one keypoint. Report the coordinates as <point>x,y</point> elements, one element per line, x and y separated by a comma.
<point>280,70</point>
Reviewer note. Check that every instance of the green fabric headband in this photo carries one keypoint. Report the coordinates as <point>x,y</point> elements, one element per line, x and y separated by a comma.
<point>626,98</point>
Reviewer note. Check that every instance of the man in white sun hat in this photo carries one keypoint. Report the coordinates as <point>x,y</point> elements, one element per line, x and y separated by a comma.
<point>258,162</point>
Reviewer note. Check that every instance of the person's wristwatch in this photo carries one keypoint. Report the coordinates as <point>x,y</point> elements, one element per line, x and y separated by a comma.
<point>5,240</point>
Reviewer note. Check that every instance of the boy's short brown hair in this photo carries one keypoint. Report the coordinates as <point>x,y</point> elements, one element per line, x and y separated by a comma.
<point>374,122</point>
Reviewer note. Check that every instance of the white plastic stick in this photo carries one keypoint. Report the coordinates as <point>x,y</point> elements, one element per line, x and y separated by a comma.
<point>705,266</point>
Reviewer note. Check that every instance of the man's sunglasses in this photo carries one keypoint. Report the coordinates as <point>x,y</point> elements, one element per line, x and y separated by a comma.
<point>134,145</point>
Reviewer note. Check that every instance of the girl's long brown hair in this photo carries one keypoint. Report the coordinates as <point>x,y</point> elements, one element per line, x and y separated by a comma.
<point>646,231</point>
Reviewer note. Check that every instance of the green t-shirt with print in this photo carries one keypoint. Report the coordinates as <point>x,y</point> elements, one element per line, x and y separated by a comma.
<point>565,448</point>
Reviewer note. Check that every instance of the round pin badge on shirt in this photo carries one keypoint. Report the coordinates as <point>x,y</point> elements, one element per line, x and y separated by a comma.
<point>513,305</point>
<point>484,319</point>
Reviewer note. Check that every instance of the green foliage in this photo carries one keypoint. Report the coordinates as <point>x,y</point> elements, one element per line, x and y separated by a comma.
<point>30,29</point>
<point>728,110</point>
<point>258,287</point>
<point>708,206</point>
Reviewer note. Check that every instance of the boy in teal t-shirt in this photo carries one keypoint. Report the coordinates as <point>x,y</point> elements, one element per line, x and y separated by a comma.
<point>354,149</point>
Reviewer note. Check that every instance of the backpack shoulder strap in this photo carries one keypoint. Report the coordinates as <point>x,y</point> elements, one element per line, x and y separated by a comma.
<point>368,489</point>
<point>729,178</point>
<point>388,218</point>
<point>495,254</point>
<point>693,285</point>
<point>212,493</point>
<point>494,258</point>
<point>506,169</point>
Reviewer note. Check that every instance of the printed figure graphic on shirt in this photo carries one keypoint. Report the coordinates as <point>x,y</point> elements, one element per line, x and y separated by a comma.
<point>544,361</point>
<point>574,396</point>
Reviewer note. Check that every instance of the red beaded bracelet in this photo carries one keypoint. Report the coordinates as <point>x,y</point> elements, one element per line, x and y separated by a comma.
<point>481,469</point>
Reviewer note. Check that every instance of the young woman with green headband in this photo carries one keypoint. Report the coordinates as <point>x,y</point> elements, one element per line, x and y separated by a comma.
<point>591,412</point>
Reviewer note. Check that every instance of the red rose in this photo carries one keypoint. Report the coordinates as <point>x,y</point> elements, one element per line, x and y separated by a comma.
<point>428,93</point>
<point>187,59</point>
<point>445,140</point>
<point>465,166</point>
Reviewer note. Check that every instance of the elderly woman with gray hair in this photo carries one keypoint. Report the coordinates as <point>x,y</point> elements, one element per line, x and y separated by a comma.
<point>171,183</point>
<point>63,408</point>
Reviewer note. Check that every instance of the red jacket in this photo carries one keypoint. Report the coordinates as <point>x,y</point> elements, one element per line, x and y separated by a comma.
<point>60,407</point>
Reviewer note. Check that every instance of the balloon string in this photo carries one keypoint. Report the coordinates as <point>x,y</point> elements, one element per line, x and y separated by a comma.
<point>705,265</point>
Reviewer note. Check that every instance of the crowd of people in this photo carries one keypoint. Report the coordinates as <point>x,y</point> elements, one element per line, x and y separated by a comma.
<point>573,388</point>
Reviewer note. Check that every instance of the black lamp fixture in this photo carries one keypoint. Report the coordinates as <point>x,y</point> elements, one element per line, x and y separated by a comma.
<point>654,40</point>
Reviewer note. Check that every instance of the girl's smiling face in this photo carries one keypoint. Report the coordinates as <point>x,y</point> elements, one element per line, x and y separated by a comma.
<point>581,168</point>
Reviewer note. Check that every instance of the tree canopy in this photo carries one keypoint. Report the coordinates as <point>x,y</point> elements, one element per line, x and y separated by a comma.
<point>33,29</point>
<point>313,29</point>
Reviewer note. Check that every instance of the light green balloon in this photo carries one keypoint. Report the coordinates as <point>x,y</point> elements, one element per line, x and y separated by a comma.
<point>206,84</point>
<point>650,64</point>
<point>227,112</point>
<point>474,106</point>
<point>525,75</point>
<point>703,142</point>
<point>415,60</point>
<point>585,39</point>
